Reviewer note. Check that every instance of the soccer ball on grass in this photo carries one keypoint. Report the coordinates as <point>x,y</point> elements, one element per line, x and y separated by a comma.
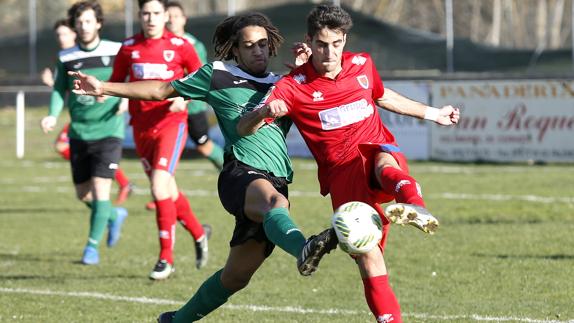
<point>358,227</point>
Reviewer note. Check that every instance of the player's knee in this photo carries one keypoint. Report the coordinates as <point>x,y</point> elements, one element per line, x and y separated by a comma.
<point>278,200</point>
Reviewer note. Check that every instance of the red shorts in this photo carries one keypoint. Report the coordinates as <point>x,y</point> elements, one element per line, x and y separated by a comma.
<point>63,135</point>
<point>161,148</point>
<point>356,181</point>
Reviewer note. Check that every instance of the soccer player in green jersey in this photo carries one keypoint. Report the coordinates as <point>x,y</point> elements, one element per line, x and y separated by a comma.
<point>96,130</point>
<point>253,183</point>
<point>198,125</point>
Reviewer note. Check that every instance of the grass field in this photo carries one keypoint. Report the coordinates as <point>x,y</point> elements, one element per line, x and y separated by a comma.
<point>504,252</point>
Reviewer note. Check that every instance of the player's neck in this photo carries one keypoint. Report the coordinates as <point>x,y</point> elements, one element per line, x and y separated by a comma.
<point>331,74</point>
<point>91,45</point>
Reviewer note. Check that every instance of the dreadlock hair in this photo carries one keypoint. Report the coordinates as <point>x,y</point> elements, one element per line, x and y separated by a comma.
<point>78,8</point>
<point>227,34</point>
<point>328,16</point>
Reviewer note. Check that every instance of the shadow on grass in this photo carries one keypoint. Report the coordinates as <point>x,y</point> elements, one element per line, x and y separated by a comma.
<point>544,257</point>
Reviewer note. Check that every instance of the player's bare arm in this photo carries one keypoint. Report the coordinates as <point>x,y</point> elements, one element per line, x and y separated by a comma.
<point>252,121</point>
<point>143,90</point>
<point>394,102</point>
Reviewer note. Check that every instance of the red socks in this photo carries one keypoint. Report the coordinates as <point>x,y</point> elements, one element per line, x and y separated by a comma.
<point>186,217</point>
<point>403,187</point>
<point>121,178</point>
<point>382,300</point>
<point>65,153</point>
<point>165,216</point>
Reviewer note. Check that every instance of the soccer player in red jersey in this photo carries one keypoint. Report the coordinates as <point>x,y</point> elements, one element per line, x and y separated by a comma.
<point>160,127</point>
<point>333,100</point>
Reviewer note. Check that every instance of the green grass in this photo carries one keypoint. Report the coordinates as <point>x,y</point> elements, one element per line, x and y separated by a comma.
<point>508,260</point>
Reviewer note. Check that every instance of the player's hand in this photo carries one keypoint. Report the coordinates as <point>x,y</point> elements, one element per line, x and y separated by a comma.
<point>86,84</point>
<point>123,106</point>
<point>48,123</point>
<point>301,53</point>
<point>448,115</point>
<point>274,109</point>
<point>178,104</point>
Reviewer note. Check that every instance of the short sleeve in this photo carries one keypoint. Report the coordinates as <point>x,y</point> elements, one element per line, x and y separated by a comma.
<point>280,91</point>
<point>378,87</point>
<point>121,66</point>
<point>196,85</point>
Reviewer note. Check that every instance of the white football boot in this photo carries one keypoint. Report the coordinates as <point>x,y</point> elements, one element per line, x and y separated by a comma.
<point>417,216</point>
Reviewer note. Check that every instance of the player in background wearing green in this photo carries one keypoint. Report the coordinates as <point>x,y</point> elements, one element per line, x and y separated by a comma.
<point>66,37</point>
<point>96,129</point>
<point>253,183</point>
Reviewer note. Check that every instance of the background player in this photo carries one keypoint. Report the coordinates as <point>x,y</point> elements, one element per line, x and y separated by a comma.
<point>96,130</point>
<point>66,37</point>
<point>332,99</point>
<point>160,128</point>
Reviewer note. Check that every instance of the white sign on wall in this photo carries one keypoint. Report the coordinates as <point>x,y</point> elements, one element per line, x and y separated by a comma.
<point>506,121</point>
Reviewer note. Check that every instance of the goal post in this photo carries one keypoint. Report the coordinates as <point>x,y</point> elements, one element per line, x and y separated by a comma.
<point>20,124</point>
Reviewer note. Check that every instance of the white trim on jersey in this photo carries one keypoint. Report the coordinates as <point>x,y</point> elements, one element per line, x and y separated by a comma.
<point>105,48</point>
<point>236,71</point>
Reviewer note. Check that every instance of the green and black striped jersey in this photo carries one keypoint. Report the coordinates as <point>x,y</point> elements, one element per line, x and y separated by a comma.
<point>232,92</point>
<point>90,118</point>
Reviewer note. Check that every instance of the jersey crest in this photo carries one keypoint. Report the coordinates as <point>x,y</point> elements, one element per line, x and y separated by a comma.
<point>363,81</point>
<point>168,55</point>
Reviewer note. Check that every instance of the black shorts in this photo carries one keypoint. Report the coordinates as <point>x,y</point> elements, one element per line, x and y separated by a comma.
<point>198,127</point>
<point>232,186</point>
<point>94,158</point>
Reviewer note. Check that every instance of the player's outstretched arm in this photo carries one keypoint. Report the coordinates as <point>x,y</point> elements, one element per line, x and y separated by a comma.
<point>394,102</point>
<point>252,121</point>
<point>142,90</point>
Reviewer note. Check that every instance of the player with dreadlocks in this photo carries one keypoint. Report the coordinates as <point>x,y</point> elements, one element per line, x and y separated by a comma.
<point>253,183</point>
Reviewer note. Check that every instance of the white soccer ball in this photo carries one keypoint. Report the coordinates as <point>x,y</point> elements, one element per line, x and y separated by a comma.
<point>358,227</point>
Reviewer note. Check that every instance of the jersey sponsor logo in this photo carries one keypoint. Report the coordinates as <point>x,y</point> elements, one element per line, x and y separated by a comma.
<point>168,55</point>
<point>300,78</point>
<point>346,114</point>
<point>135,54</point>
<point>239,82</point>
<point>149,71</point>
<point>363,81</point>
<point>106,60</point>
<point>318,96</point>
<point>86,99</point>
<point>129,42</point>
<point>359,60</point>
<point>177,41</point>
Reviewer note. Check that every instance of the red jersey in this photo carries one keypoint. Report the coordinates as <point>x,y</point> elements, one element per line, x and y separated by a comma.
<point>335,115</point>
<point>166,59</point>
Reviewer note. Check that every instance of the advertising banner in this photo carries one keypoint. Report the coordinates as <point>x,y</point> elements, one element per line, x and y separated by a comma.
<point>506,121</point>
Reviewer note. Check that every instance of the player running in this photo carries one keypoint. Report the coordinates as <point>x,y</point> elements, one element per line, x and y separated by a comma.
<point>253,183</point>
<point>332,99</point>
<point>160,128</point>
<point>96,129</point>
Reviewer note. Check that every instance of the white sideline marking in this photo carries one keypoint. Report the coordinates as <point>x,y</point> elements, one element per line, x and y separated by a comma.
<point>213,193</point>
<point>260,308</point>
